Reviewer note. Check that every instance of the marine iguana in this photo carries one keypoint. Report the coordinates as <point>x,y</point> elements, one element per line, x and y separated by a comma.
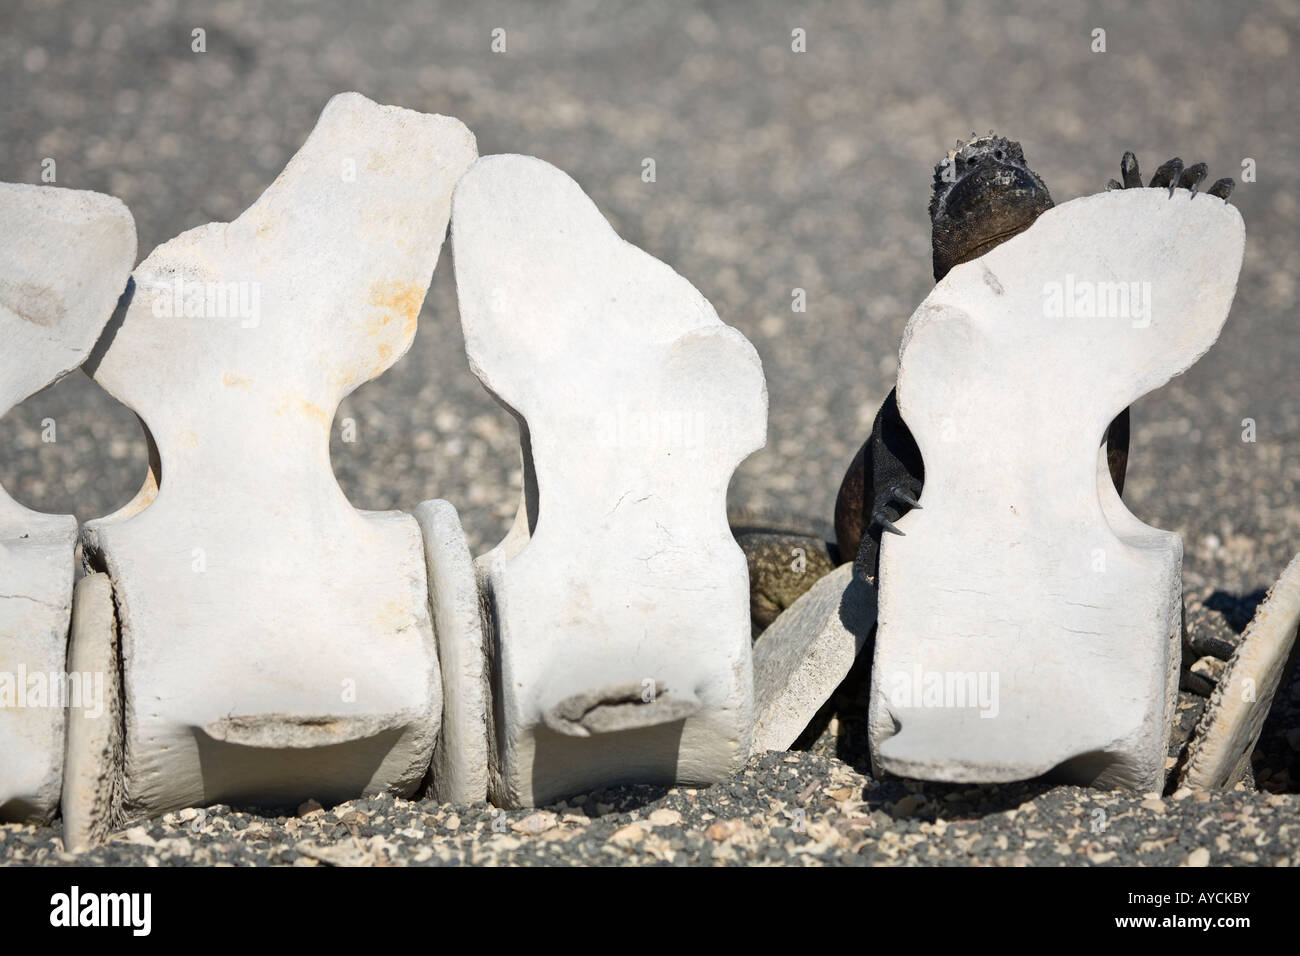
<point>984,193</point>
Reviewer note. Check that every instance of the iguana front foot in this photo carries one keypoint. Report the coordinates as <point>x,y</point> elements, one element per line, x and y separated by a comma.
<point>894,494</point>
<point>1171,175</point>
<point>885,511</point>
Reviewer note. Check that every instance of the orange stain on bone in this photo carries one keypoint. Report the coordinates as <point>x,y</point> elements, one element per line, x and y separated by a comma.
<point>396,300</point>
<point>315,411</point>
<point>301,404</point>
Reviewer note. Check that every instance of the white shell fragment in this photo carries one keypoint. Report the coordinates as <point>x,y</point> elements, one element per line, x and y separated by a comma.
<point>619,599</point>
<point>276,643</point>
<point>1028,622</point>
<point>1229,729</point>
<point>806,652</point>
<point>65,256</point>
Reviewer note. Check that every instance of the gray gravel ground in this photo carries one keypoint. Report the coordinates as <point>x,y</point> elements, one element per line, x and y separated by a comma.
<point>775,170</point>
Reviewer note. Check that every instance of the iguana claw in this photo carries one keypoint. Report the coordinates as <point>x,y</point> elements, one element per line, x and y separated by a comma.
<point>1128,168</point>
<point>1193,176</point>
<point>896,493</point>
<point>887,525</point>
<point>1167,175</point>
<point>1222,188</point>
<point>900,494</point>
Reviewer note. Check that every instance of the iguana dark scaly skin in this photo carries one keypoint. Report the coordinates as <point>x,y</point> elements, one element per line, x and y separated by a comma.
<point>785,556</point>
<point>984,193</point>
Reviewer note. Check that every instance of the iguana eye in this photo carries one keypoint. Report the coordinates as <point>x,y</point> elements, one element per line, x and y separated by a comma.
<point>999,155</point>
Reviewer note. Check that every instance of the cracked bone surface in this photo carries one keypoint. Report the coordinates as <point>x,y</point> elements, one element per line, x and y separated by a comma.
<point>619,598</point>
<point>64,259</point>
<point>1028,622</point>
<point>276,643</point>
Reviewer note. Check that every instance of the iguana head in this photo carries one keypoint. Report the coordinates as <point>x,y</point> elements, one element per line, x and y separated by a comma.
<point>984,193</point>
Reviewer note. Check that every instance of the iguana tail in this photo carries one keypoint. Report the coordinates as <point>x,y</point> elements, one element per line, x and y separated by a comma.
<point>786,553</point>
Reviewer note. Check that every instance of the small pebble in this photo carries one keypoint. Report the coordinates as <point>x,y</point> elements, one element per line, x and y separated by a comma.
<point>664,818</point>
<point>627,835</point>
<point>534,824</point>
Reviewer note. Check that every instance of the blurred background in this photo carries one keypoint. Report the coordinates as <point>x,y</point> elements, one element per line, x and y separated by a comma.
<point>775,170</point>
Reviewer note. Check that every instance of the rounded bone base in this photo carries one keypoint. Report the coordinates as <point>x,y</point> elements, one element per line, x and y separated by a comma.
<point>1031,698</point>
<point>280,770</point>
<point>263,760</point>
<point>1101,769</point>
<point>546,766</point>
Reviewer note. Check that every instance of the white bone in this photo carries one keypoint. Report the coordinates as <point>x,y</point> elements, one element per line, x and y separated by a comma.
<point>92,772</point>
<point>1024,591</point>
<point>619,599</point>
<point>1229,729</point>
<point>276,643</point>
<point>64,260</point>
<point>460,759</point>
<point>806,652</point>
